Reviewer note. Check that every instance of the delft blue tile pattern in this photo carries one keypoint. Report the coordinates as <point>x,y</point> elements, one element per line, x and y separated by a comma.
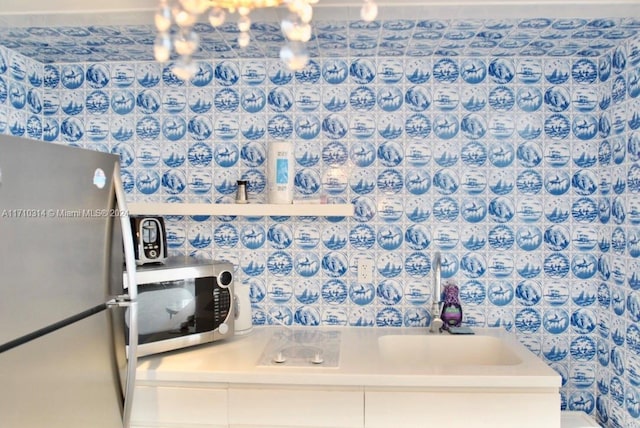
<point>390,39</point>
<point>523,171</point>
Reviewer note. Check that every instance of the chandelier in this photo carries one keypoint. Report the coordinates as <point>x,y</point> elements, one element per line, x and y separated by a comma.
<point>184,41</point>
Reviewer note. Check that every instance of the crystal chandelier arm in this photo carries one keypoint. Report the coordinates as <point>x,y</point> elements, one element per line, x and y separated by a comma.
<point>185,13</point>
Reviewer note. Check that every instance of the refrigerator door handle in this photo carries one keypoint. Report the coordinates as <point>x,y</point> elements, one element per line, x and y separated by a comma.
<point>131,300</point>
<point>121,301</point>
<point>52,327</point>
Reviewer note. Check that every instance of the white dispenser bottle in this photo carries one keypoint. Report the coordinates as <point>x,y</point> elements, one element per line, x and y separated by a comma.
<point>242,299</point>
<point>280,172</point>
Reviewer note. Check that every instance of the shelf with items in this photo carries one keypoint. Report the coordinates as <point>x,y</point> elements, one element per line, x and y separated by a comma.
<point>248,210</point>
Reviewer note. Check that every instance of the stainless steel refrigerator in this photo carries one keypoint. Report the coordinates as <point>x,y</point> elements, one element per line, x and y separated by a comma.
<point>62,347</point>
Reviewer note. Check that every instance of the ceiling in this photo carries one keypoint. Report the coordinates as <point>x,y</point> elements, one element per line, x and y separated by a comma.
<point>121,30</point>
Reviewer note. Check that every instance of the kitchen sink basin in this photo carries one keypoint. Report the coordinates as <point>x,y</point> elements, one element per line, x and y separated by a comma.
<point>446,350</point>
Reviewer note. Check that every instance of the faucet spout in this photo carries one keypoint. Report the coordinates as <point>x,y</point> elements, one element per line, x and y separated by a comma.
<point>437,278</point>
<point>436,325</point>
<point>436,300</point>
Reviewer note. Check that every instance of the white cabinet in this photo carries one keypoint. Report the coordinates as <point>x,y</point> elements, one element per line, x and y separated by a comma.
<point>247,406</point>
<point>263,406</point>
<point>460,409</point>
<point>282,406</point>
<point>179,407</point>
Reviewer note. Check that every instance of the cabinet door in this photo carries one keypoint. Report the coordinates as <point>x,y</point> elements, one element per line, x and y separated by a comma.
<point>277,406</point>
<point>462,409</point>
<point>177,406</point>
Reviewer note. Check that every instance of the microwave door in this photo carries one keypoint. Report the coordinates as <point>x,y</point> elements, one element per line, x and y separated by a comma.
<point>165,310</point>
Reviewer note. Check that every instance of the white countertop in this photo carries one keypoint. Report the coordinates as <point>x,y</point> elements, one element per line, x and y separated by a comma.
<point>240,360</point>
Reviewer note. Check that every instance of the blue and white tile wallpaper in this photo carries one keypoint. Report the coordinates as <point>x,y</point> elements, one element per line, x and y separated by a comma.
<point>522,169</point>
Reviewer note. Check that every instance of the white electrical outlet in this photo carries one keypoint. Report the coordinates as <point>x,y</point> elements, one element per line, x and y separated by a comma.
<point>365,271</point>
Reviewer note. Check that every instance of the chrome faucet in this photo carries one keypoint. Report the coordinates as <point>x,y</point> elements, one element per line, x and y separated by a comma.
<point>436,299</point>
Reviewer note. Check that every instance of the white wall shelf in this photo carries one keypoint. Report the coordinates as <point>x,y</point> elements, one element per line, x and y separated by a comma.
<point>248,210</point>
